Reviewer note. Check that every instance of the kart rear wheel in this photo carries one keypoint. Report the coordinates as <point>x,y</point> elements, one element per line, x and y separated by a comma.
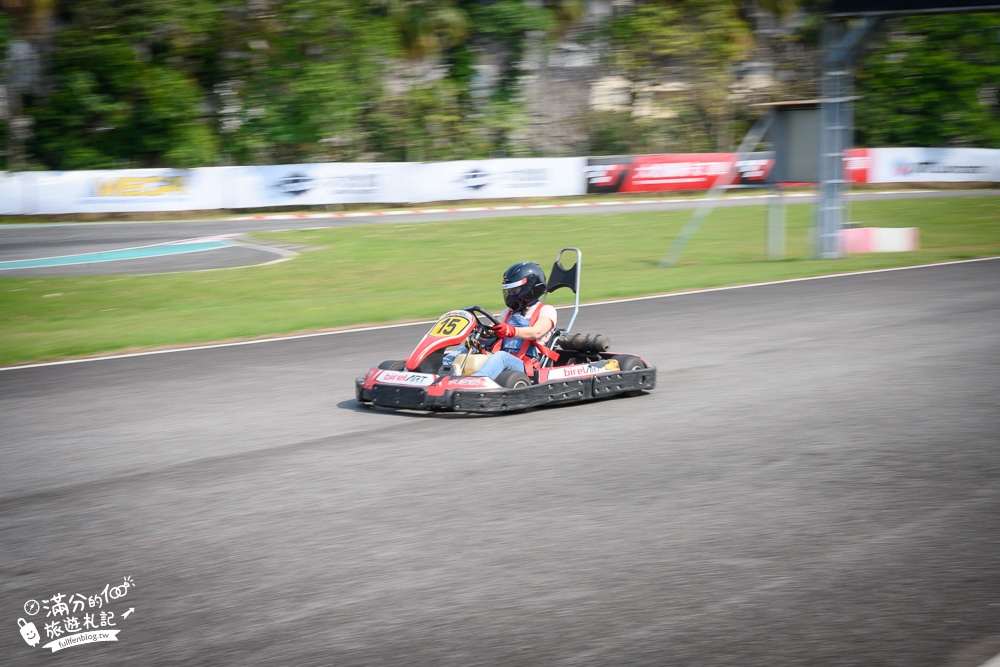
<point>513,380</point>
<point>392,365</point>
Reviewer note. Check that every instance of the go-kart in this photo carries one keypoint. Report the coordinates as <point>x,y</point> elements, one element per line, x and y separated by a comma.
<point>572,367</point>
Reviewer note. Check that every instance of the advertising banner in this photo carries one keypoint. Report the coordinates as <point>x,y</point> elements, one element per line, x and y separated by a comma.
<point>319,184</point>
<point>498,179</point>
<point>695,171</point>
<point>936,165</point>
<point>681,171</point>
<point>127,190</point>
<point>10,193</point>
<point>858,165</point>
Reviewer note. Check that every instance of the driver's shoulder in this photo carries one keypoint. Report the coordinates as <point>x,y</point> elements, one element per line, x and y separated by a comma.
<point>545,310</point>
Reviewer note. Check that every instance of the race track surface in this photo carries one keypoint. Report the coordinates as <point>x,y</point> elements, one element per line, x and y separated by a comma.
<point>813,482</point>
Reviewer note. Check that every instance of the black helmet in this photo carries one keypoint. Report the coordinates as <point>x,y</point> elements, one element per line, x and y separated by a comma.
<point>522,285</point>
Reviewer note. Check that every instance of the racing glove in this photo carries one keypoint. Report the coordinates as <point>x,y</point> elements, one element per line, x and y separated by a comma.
<point>504,330</point>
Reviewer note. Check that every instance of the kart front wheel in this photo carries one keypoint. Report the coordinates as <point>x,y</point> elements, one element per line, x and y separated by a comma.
<point>392,365</point>
<point>513,380</point>
<point>627,362</point>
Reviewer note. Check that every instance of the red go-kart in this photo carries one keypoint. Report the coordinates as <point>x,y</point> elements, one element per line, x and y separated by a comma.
<point>578,367</point>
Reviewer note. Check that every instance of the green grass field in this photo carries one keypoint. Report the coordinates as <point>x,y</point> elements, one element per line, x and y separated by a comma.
<point>395,272</point>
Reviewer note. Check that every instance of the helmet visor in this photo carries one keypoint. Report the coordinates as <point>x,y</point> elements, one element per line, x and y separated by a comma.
<point>514,285</point>
<point>514,289</point>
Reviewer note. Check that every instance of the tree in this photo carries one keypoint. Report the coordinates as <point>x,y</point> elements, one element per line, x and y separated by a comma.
<point>426,27</point>
<point>935,81</point>
<point>685,50</point>
<point>112,108</point>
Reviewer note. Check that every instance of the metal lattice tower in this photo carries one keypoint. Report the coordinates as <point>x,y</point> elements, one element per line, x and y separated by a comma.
<point>836,128</point>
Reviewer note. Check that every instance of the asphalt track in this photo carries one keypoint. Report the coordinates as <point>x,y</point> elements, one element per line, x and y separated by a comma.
<point>813,482</point>
<point>22,242</point>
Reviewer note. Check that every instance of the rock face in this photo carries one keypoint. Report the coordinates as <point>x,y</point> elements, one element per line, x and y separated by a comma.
<point>557,95</point>
<point>564,83</point>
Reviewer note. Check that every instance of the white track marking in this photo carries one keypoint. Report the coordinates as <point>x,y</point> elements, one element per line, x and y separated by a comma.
<point>276,339</point>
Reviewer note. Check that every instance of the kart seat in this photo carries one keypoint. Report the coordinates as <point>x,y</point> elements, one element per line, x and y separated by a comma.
<point>560,277</point>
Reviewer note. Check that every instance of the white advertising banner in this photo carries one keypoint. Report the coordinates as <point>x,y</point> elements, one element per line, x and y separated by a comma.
<point>930,165</point>
<point>318,184</point>
<point>500,179</point>
<point>10,193</point>
<point>127,190</point>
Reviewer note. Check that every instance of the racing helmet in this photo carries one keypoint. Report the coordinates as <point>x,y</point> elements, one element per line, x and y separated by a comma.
<point>523,284</point>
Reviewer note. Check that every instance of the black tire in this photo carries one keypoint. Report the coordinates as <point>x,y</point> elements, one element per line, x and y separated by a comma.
<point>392,365</point>
<point>513,380</point>
<point>627,362</point>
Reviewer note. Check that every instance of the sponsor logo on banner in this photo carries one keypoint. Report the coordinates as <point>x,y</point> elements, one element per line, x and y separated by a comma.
<point>606,177</point>
<point>525,178</point>
<point>475,179</point>
<point>353,184</point>
<point>297,184</point>
<point>294,184</point>
<point>901,168</point>
<point>952,165</point>
<point>682,172</point>
<point>130,188</point>
<point>753,170</point>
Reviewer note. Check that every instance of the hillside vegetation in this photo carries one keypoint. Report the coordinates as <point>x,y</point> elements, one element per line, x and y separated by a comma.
<point>184,83</point>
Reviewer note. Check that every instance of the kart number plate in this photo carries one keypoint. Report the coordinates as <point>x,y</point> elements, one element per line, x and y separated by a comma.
<point>449,325</point>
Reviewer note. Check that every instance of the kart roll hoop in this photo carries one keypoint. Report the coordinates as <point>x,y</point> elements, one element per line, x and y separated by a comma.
<point>560,276</point>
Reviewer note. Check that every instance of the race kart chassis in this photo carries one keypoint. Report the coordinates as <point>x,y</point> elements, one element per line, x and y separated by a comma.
<point>577,367</point>
<point>450,394</point>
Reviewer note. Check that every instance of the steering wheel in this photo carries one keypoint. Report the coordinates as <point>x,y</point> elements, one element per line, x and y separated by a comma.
<point>479,310</point>
<point>485,332</point>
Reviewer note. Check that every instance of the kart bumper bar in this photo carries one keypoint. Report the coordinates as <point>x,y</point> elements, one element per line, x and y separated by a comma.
<point>504,400</point>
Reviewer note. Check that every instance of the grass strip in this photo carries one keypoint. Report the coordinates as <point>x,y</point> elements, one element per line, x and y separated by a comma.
<point>371,274</point>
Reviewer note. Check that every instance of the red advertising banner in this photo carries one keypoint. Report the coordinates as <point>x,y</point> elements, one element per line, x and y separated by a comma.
<point>858,165</point>
<point>696,171</point>
<point>681,171</point>
<point>691,171</point>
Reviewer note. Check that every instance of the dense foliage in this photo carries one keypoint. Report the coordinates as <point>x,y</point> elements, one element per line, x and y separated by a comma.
<point>183,83</point>
<point>935,81</point>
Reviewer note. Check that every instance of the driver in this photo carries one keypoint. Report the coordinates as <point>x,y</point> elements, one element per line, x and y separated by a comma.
<point>524,323</point>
